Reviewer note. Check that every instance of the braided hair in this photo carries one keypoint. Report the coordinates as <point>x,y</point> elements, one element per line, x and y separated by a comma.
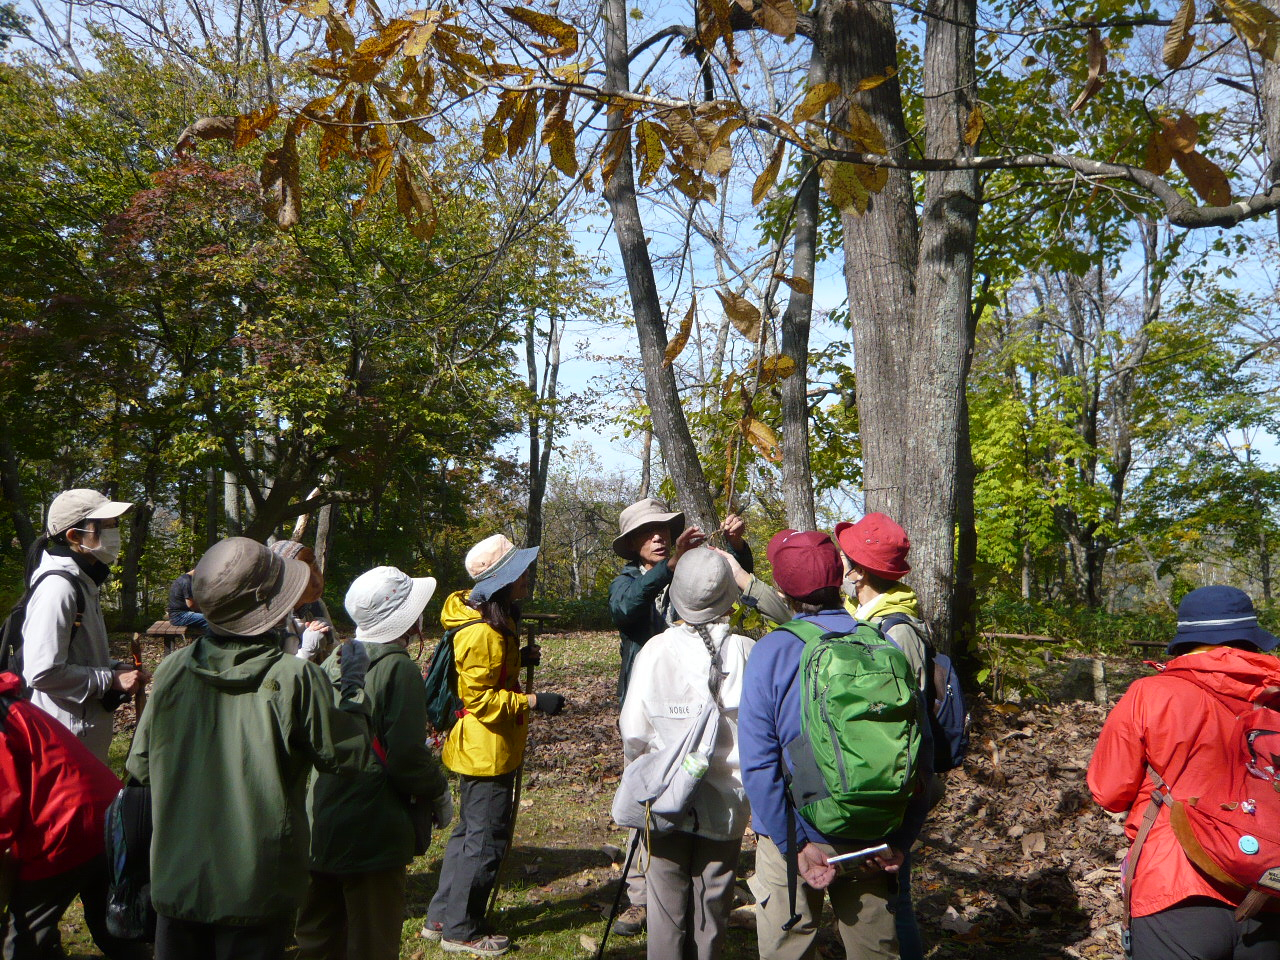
<point>715,676</point>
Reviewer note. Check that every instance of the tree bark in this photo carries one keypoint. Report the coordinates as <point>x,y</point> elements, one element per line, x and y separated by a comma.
<point>544,397</point>
<point>1270,107</point>
<point>231,503</point>
<point>669,424</point>
<point>11,478</point>
<point>910,284</point>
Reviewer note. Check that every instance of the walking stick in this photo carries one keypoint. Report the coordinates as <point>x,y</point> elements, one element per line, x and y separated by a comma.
<point>617,897</point>
<point>139,698</point>
<point>515,800</point>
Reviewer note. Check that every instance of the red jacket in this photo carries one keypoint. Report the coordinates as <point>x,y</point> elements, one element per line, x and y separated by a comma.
<point>54,793</point>
<point>1177,721</point>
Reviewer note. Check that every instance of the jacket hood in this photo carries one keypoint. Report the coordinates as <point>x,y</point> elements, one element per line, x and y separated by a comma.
<point>456,613</point>
<point>233,664</point>
<point>1233,675</point>
<point>899,598</point>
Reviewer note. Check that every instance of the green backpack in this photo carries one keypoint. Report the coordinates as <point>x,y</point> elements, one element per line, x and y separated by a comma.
<point>855,763</point>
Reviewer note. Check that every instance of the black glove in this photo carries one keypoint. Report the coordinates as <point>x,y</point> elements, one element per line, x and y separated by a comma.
<point>531,655</point>
<point>548,703</point>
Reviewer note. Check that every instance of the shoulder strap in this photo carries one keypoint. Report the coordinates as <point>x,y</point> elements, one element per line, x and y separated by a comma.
<point>808,631</point>
<point>75,585</point>
<point>1160,796</point>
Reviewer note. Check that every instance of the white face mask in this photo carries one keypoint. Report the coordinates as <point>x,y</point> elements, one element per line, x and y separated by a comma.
<point>108,547</point>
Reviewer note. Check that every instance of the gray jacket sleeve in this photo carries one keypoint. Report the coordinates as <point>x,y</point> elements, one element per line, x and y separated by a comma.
<point>46,638</point>
<point>767,601</point>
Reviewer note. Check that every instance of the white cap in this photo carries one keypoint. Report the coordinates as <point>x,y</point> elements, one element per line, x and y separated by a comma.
<point>73,506</point>
<point>385,603</point>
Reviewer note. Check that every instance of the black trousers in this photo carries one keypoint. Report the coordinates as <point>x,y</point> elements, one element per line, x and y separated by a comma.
<point>1204,929</point>
<point>473,855</point>
<point>38,906</point>
<point>189,940</point>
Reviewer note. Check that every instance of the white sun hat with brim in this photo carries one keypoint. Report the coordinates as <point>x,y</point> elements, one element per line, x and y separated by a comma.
<point>244,589</point>
<point>385,602</point>
<point>494,563</point>
<point>75,506</point>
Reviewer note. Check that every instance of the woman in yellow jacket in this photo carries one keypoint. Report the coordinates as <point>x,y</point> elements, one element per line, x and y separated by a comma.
<point>487,743</point>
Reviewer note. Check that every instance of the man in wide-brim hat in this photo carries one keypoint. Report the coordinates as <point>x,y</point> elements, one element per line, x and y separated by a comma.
<point>652,539</point>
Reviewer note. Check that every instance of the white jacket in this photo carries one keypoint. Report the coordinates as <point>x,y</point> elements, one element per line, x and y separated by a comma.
<point>666,693</point>
<point>68,677</point>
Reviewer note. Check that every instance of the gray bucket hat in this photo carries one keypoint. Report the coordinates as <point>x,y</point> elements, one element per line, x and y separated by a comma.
<point>244,589</point>
<point>641,514</point>
<point>702,588</point>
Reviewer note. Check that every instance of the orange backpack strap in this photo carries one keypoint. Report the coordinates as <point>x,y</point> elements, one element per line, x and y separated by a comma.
<point>1159,796</point>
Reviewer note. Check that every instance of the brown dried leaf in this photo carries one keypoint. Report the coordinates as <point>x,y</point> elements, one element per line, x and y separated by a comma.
<point>798,284</point>
<point>815,101</point>
<point>779,17</point>
<point>973,129</point>
<point>742,314</point>
<point>1207,179</point>
<point>206,128</point>
<point>720,162</point>
<point>1159,154</point>
<point>844,187</point>
<point>415,204</point>
<point>563,146</point>
<point>1180,136</point>
<point>677,345</point>
<point>338,35</point>
<point>313,8</point>
<point>523,124</point>
<point>1179,39</point>
<point>290,211</point>
<point>416,43</point>
<point>1097,69</point>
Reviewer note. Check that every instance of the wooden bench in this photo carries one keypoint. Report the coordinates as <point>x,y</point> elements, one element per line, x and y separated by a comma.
<point>1148,644</point>
<point>166,632</point>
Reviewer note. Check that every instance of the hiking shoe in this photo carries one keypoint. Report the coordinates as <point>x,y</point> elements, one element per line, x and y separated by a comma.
<point>433,930</point>
<point>629,922</point>
<point>493,945</point>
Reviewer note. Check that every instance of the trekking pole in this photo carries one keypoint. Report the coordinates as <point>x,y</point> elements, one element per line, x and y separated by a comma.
<point>617,897</point>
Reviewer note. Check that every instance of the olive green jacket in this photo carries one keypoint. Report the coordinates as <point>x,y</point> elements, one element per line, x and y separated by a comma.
<point>360,823</point>
<point>227,741</point>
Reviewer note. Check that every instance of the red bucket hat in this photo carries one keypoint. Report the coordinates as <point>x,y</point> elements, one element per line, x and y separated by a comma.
<point>804,562</point>
<point>877,544</point>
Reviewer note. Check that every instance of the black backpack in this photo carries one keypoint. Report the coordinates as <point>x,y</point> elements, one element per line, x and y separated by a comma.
<point>11,632</point>
<point>130,915</point>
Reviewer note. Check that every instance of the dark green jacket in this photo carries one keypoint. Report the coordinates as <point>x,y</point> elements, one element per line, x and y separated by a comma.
<point>640,607</point>
<point>227,741</point>
<point>360,824</point>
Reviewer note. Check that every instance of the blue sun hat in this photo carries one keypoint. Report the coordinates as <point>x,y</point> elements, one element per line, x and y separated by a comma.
<point>1219,614</point>
<point>494,563</point>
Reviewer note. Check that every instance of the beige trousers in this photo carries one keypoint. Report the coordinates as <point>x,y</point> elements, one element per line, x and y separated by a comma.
<point>861,904</point>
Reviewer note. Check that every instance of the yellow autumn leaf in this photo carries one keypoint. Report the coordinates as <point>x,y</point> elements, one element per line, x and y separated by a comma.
<point>973,128</point>
<point>844,187</point>
<point>416,43</point>
<point>249,126</point>
<point>677,345</point>
<point>649,151</point>
<point>1179,39</point>
<point>762,438</point>
<point>565,35</point>
<point>873,81</point>
<point>775,367</point>
<point>865,131</point>
<point>563,146</point>
<point>815,100</point>
<point>768,176</point>
<point>1259,26</point>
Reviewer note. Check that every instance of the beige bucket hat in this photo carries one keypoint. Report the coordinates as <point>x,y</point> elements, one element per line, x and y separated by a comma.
<point>641,514</point>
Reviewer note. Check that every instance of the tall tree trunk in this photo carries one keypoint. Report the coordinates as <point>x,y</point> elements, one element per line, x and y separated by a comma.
<point>231,504</point>
<point>544,398</point>
<point>910,285</point>
<point>211,505</point>
<point>1270,107</point>
<point>11,478</point>
<point>797,477</point>
<point>139,519</point>
<point>669,424</point>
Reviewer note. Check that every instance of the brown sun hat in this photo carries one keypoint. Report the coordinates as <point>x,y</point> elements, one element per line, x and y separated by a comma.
<point>244,589</point>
